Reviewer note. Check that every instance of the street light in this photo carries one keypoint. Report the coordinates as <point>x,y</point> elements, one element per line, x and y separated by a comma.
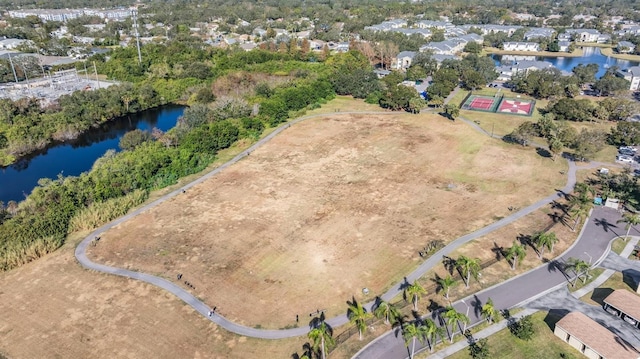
<point>465,324</point>
<point>590,258</point>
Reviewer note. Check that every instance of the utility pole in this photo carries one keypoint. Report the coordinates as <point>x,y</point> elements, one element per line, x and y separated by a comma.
<point>95,71</point>
<point>135,27</point>
<point>13,68</point>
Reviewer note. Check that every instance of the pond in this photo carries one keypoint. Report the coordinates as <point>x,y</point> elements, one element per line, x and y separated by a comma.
<point>591,55</point>
<point>73,157</point>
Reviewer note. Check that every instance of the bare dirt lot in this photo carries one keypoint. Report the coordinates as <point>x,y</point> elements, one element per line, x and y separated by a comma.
<point>326,208</point>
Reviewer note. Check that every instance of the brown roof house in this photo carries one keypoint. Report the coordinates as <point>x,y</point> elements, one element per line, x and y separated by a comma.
<point>592,339</point>
<point>624,304</point>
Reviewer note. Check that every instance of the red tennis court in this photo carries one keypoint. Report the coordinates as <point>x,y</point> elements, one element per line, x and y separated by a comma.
<point>516,107</point>
<point>481,103</point>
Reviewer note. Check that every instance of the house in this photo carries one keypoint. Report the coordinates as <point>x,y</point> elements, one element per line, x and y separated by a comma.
<point>447,47</point>
<point>564,46</point>
<point>586,35</point>
<point>403,60</point>
<point>565,36</point>
<point>472,38</point>
<point>539,33</point>
<point>490,28</point>
<point>592,339</point>
<point>387,25</point>
<point>625,47</point>
<point>521,46</point>
<point>506,72</point>
<point>625,305</point>
<point>426,33</point>
<point>429,24</point>
<point>632,74</point>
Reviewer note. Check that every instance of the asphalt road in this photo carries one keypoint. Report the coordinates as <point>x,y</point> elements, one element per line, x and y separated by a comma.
<point>592,246</point>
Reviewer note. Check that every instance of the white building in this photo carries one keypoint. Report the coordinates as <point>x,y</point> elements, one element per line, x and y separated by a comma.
<point>539,33</point>
<point>587,35</point>
<point>403,60</point>
<point>521,46</point>
<point>625,47</point>
<point>632,74</point>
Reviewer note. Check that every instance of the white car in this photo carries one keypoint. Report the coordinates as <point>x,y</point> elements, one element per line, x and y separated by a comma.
<point>624,159</point>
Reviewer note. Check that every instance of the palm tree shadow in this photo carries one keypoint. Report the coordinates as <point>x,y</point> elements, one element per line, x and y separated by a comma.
<point>433,308</point>
<point>317,321</point>
<point>558,266</point>
<point>403,288</point>
<point>449,264</point>
<point>477,306</point>
<point>436,281</point>
<point>526,241</point>
<point>398,325</point>
<point>498,251</point>
<point>606,226</point>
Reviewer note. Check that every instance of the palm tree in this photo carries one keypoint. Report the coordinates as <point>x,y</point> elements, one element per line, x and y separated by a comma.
<point>415,291</point>
<point>430,332</point>
<point>469,267</point>
<point>386,310</point>
<point>410,333</point>
<point>515,254</point>
<point>631,220</point>
<point>545,240</point>
<point>579,211</point>
<point>581,268</point>
<point>489,311</point>
<point>446,284</point>
<point>453,317</point>
<point>358,315</point>
<point>322,338</point>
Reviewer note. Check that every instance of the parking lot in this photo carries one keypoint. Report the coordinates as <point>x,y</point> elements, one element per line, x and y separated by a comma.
<point>629,155</point>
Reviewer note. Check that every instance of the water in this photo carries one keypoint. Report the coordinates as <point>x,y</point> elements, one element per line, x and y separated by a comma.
<point>71,158</point>
<point>591,55</point>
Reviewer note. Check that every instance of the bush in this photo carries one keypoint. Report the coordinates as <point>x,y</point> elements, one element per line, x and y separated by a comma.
<point>133,139</point>
<point>100,213</point>
<point>523,328</point>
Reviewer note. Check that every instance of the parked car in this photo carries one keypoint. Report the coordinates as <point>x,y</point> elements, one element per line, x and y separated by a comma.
<point>627,148</point>
<point>624,159</point>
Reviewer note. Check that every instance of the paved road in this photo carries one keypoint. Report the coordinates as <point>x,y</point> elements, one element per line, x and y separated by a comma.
<point>592,245</point>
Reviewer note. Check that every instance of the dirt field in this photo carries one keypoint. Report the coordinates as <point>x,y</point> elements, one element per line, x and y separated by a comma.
<point>325,209</point>
<point>52,308</point>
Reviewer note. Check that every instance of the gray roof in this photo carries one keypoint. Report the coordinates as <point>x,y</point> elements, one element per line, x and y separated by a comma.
<point>626,44</point>
<point>410,54</point>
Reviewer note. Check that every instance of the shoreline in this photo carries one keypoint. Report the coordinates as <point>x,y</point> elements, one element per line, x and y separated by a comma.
<point>578,52</point>
<point>628,57</point>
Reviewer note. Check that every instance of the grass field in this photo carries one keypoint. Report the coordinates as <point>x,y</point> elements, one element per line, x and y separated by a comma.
<point>358,192</point>
<point>611,53</point>
<point>544,345</point>
<point>404,163</point>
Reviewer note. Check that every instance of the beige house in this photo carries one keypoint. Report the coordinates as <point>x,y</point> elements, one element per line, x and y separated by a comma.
<point>624,304</point>
<point>592,339</point>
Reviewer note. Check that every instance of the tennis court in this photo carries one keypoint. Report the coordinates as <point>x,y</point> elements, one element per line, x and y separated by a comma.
<point>481,103</point>
<point>518,107</point>
<point>498,104</point>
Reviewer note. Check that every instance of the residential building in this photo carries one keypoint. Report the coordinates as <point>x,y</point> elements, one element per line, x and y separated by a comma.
<point>387,25</point>
<point>426,33</point>
<point>632,74</point>
<point>403,60</point>
<point>429,24</point>
<point>564,46</point>
<point>625,305</point>
<point>490,28</point>
<point>539,33</point>
<point>63,15</point>
<point>521,46</point>
<point>506,72</point>
<point>10,44</point>
<point>587,35</point>
<point>625,47</point>
<point>592,339</point>
<point>451,46</point>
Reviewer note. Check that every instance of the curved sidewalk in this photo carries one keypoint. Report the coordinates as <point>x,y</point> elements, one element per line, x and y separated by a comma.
<point>203,309</point>
<point>592,246</point>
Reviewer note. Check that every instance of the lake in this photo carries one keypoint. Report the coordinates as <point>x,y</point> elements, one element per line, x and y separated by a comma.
<point>73,157</point>
<point>591,55</point>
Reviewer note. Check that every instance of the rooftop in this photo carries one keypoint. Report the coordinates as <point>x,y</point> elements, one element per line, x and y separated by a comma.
<point>596,337</point>
<point>624,300</point>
